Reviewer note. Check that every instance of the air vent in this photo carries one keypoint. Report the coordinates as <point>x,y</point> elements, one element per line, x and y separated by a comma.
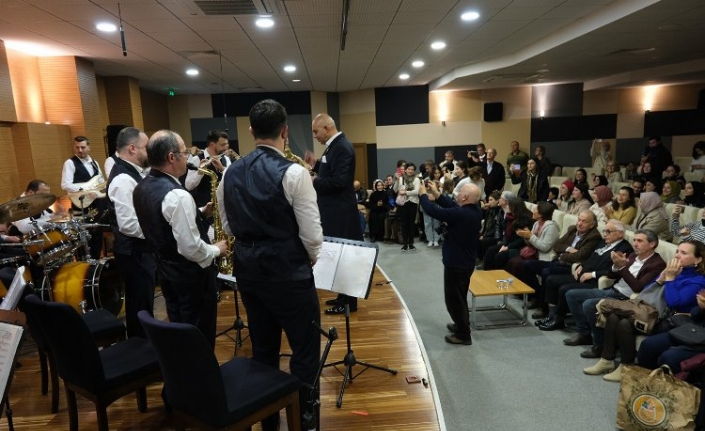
<point>235,7</point>
<point>512,77</point>
<point>198,54</point>
<point>632,51</point>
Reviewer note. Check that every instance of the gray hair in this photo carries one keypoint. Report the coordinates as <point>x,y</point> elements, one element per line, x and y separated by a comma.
<point>160,145</point>
<point>650,235</point>
<point>618,225</point>
<point>508,194</point>
<point>127,136</point>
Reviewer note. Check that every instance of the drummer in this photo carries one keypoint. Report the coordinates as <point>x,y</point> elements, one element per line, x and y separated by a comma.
<point>27,225</point>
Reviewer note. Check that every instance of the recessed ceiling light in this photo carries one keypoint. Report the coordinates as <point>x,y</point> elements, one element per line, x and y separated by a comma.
<point>418,63</point>
<point>295,80</point>
<point>290,68</point>
<point>438,45</point>
<point>265,22</point>
<point>106,27</point>
<point>470,16</point>
<point>192,72</point>
<point>404,76</point>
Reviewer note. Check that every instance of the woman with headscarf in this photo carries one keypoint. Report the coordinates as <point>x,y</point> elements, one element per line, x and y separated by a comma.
<point>602,196</point>
<point>653,215</point>
<point>378,204</point>
<point>581,200</point>
<point>671,192</point>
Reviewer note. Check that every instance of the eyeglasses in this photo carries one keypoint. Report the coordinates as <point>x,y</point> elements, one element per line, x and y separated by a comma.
<point>607,231</point>
<point>181,152</point>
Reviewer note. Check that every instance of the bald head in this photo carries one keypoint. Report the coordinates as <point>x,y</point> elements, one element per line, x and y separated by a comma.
<point>323,128</point>
<point>468,194</point>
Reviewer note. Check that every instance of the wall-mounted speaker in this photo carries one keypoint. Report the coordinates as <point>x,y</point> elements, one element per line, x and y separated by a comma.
<point>493,111</point>
<point>111,137</point>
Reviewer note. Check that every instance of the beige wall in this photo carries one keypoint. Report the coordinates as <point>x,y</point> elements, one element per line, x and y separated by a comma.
<point>516,121</point>
<point>179,118</point>
<point>454,106</point>
<point>155,111</point>
<point>357,116</point>
<point>200,106</point>
<point>245,139</point>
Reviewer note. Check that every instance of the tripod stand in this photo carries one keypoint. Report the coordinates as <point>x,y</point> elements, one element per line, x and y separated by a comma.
<point>350,361</point>
<point>238,324</point>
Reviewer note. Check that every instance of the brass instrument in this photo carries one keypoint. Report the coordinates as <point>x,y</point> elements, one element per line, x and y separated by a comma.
<point>296,159</point>
<point>225,262</point>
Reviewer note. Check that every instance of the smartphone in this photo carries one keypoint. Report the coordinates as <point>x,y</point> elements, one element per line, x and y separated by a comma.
<point>516,167</point>
<point>400,171</point>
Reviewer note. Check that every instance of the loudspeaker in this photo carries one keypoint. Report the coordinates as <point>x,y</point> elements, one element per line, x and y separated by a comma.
<point>111,133</point>
<point>494,111</point>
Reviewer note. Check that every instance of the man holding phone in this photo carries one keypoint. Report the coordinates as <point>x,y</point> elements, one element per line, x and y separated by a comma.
<point>517,159</point>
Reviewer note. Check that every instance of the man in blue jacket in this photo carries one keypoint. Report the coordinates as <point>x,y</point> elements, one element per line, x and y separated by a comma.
<point>463,218</point>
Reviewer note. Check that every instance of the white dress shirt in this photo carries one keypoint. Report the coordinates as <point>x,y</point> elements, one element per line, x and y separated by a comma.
<point>120,193</point>
<point>26,226</point>
<point>621,286</point>
<point>69,170</point>
<point>299,192</point>
<point>108,165</point>
<point>193,178</point>
<point>179,210</point>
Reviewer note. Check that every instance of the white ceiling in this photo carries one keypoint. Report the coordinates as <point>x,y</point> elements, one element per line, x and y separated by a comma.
<point>603,43</point>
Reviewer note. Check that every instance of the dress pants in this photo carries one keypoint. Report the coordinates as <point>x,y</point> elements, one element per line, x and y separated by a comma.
<point>558,285</point>
<point>290,306</point>
<point>456,282</point>
<point>657,350</point>
<point>533,268</point>
<point>583,306</point>
<point>408,221</point>
<point>619,335</point>
<point>138,270</point>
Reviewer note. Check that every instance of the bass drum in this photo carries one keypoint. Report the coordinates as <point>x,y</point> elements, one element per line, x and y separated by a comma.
<point>88,285</point>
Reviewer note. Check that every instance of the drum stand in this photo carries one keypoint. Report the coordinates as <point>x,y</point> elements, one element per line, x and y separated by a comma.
<point>238,324</point>
<point>83,234</point>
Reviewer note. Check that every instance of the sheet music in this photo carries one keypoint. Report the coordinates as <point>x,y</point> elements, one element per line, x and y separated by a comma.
<point>325,267</point>
<point>345,267</point>
<point>10,336</point>
<point>15,292</point>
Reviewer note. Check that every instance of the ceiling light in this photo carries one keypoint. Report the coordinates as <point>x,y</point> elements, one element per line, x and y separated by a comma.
<point>106,27</point>
<point>438,45</point>
<point>192,72</point>
<point>295,80</point>
<point>290,68</point>
<point>264,22</point>
<point>418,63</point>
<point>469,16</point>
<point>404,76</point>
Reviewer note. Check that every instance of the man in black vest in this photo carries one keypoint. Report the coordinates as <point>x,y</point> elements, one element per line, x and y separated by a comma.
<point>279,237</point>
<point>198,184</point>
<point>133,257</point>
<point>336,196</point>
<point>174,230</point>
<point>77,170</point>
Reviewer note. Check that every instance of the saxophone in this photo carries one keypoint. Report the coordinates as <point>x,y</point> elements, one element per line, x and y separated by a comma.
<point>225,262</point>
<point>296,159</point>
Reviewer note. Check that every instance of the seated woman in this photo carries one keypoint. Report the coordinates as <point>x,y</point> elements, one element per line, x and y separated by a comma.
<point>581,200</point>
<point>653,184</point>
<point>694,230</point>
<point>565,195</point>
<point>673,173</point>
<point>534,185</point>
<point>671,192</point>
<point>553,194</point>
<point>599,180</point>
<point>683,277</point>
<point>603,197</point>
<point>542,236</point>
<point>580,177</point>
<point>492,231</point>
<point>378,204</point>
<point>631,172</point>
<point>653,216</point>
<point>518,217</point>
<point>647,172</point>
<point>612,172</point>
<point>694,194</point>
<point>623,207</point>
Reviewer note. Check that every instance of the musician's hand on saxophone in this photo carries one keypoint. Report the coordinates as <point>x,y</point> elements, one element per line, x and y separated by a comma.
<point>223,247</point>
<point>207,210</point>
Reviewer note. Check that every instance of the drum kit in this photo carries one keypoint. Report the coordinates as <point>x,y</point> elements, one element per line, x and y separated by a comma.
<point>59,252</point>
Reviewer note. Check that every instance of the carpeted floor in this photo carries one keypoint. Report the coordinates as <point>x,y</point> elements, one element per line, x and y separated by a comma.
<point>510,379</point>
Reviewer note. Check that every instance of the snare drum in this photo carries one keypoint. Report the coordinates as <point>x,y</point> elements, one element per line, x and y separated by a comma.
<point>55,244</point>
<point>88,285</point>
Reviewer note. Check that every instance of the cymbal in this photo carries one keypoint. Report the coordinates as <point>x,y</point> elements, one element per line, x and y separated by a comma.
<point>20,208</point>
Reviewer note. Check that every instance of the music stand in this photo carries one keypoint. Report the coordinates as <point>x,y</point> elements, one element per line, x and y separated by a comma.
<point>347,266</point>
<point>238,324</point>
<point>11,331</point>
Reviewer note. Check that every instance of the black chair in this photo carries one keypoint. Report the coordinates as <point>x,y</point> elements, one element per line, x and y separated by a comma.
<point>101,376</point>
<point>105,329</point>
<point>201,393</point>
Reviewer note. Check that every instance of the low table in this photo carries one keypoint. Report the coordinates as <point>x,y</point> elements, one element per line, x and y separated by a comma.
<point>484,283</point>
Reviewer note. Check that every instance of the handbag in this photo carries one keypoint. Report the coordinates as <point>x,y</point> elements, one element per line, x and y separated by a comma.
<point>529,252</point>
<point>642,315</point>
<point>401,200</point>
<point>688,334</point>
<point>650,400</point>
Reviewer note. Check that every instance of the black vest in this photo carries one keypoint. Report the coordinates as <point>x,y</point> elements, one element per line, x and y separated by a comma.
<point>123,244</point>
<point>148,197</point>
<point>267,245</point>
<point>202,193</point>
<point>81,175</point>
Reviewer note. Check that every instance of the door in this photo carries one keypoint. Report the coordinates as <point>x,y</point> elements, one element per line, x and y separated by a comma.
<point>361,164</point>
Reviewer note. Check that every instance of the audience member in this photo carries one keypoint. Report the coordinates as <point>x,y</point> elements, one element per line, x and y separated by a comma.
<point>378,205</point>
<point>694,194</point>
<point>694,230</point>
<point>657,155</point>
<point>517,218</point>
<point>407,185</point>
<point>361,199</point>
<point>534,185</point>
<point>671,192</point>
<point>493,225</point>
<point>542,237</point>
<point>631,171</point>
<point>698,163</point>
<point>553,194</point>
<point>612,172</point>
<point>638,186</point>
<point>565,195</point>
<point>449,161</point>
<point>600,154</point>
<point>653,184</point>
<point>475,177</point>
<point>517,159</point>
<point>580,177</point>
<point>623,207</point>
<point>673,173</point>
<point>581,199</point>
<point>602,196</point>
<point>653,216</point>
<point>599,180</point>
<point>478,157</point>
<point>493,172</point>
<point>545,167</point>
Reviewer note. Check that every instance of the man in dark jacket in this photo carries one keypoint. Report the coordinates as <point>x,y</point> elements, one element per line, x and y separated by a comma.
<point>493,173</point>
<point>463,218</point>
<point>658,155</point>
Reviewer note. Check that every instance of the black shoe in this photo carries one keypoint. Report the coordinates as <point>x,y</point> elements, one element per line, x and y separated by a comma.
<point>405,248</point>
<point>579,340</point>
<point>412,248</point>
<point>452,328</point>
<point>593,352</point>
<point>332,302</point>
<point>552,325</point>
<point>453,339</point>
<point>540,314</point>
<point>541,321</point>
<point>338,310</point>
<point>533,305</point>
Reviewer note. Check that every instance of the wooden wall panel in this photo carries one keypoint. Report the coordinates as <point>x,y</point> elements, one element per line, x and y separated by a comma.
<point>93,127</point>
<point>62,100</point>
<point>124,101</point>
<point>136,103</point>
<point>26,87</point>
<point>48,157</point>
<point>102,101</point>
<point>7,101</point>
<point>24,157</point>
<point>9,182</point>
<point>155,111</point>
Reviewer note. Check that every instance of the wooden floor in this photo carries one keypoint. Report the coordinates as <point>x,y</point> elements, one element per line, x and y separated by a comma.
<point>381,334</point>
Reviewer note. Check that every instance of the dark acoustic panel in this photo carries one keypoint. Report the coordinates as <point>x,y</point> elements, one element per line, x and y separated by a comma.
<point>686,122</point>
<point>493,111</point>
<point>552,129</point>
<point>401,105</point>
<point>701,100</point>
<point>631,149</point>
<point>565,153</point>
<point>111,136</point>
<point>372,165</point>
<point>239,104</point>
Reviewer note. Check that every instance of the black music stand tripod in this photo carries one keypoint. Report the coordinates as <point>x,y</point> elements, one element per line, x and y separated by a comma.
<point>238,324</point>
<point>350,361</point>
